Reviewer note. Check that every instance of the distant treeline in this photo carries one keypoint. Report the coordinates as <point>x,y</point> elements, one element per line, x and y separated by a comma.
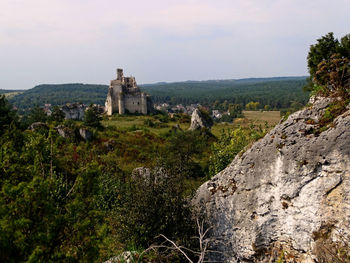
<point>60,94</point>
<point>4,91</point>
<point>276,92</point>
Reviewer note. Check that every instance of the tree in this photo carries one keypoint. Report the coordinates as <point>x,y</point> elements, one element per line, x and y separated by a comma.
<point>225,105</point>
<point>7,114</point>
<point>91,118</point>
<point>330,74</point>
<point>252,105</point>
<point>328,63</point>
<point>37,114</point>
<point>235,110</point>
<point>325,47</point>
<point>57,115</point>
<point>344,47</point>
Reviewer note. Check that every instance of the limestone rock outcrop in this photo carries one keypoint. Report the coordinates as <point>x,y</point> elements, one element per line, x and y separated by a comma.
<point>74,111</point>
<point>148,175</point>
<point>85,134</point>
<point>38,125</point>
<point>65,132</point>
<point>199,121</point>
<point>281,191</point>
<point>126,257</point>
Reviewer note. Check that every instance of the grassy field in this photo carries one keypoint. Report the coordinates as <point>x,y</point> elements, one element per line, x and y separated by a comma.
<point>260,117</point>
<point>133,123</point>
<point>9,95</point>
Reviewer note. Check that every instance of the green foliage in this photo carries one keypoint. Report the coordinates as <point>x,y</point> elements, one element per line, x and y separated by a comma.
<point>230,144</point>
<point>234,111</point>
<point>325,47</point>
<point>252,105</point>
<point>92,118</point>
<point>148,123</point>
<point>206,116</point>
<point>66,200</point>
<point>331,73</point>
<point>328,63</point>
<point>332,111</point>
<point>61,94</point>
<point>57,115</point>
<point>153,206</point>
<point>276,92</point>
<point>36,114</point>
<point>184,149</point>
<point>344,46</point>
<point>7,115</point>
<point>41,203</point>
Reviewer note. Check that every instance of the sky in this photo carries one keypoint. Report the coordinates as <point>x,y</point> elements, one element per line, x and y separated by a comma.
<point>85,41</point>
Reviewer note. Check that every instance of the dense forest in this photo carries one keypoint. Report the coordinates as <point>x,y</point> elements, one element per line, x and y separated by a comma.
<point>60,94</point>
<point>65,198</point>
<point>4,91</point>
<point>276,92</point>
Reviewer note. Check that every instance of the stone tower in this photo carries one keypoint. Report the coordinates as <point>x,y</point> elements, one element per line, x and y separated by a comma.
<point>125,96</point>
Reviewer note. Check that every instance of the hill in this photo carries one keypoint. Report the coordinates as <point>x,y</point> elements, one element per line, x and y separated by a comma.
<point>5,91</point>
<point>59,94</point>
<point>277,92</point>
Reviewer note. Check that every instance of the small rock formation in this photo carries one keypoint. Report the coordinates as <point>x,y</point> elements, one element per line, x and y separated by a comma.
<point>281,191</point>
<point>125,257</point>
<point>75,111</point>
<point>149,175</point>
<point>124,95</point>
<point>198,121</point>
<point>85,134</point>
<point>65,132</point>
<point>38,125</point>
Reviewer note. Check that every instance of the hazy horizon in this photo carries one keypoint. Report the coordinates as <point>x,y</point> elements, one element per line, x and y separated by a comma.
<point>167,82</point>
<point>61,41</point>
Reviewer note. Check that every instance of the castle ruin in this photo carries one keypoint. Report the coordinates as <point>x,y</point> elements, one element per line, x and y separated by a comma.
<point>125,96</point>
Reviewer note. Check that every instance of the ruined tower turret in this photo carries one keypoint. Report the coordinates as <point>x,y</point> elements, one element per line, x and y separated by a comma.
<point>120,74</point>
<point>125,96</point>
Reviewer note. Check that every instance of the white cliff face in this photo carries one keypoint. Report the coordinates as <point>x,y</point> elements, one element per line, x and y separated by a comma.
<point>281,190</point>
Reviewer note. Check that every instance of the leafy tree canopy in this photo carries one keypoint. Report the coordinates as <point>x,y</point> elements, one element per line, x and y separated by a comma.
<point>91,118</point>
<point>328,63</point>
<point>7,114</point>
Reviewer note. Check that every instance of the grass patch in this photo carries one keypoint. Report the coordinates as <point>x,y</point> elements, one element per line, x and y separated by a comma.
<point>260,117</point>
<point>131,123</point>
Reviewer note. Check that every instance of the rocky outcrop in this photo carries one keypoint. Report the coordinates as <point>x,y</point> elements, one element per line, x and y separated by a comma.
<point>125,257</point>
<point>281,191</point>
<point>35,126</point>
<point>65,132</point>
<point>199,121</point>
<point>74,111</point>
<point>148,175</point>
<point>85,134</point>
